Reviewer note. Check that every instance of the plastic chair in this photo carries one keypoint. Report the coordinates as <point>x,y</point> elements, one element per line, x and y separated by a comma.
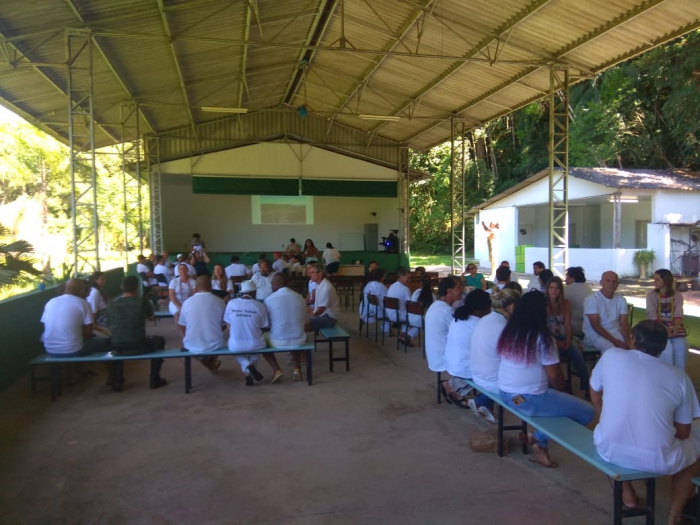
<point>391,314</point>
<point>373,301</point>
<point>416,308</point>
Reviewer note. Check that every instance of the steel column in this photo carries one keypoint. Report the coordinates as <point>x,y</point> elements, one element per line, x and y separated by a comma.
<point>558,170</point>
<point>81,143</point>
<point>153,163</point>
<point>404,198</point>
<point>130,150</point>
<point>458,208</point>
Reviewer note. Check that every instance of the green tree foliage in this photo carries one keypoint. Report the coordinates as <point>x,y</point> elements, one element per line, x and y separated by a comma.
<point>16,260</point>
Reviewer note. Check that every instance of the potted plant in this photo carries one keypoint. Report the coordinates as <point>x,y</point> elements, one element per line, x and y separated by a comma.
<point>643,259</point>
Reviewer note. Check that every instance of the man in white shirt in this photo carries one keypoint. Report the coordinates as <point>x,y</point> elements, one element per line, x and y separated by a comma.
<point>648,414</point>
<point>247,318</point>
<point>437,322</point>
<point>605,323</point>
<point>400,291</point>
<point>201,319</point>
<point>236,269</point>
<point>161,268</point>
<point>326,309</point>
<point>146,273</point>
<point>576,292</point>
<point>68,324</point>
<point>311,287</point>
<point>537,267</point>
<point>502,277</point>
<point>262,280</point>
<point>279,263</point>
<point>256,266</point>
<point>287,311</point>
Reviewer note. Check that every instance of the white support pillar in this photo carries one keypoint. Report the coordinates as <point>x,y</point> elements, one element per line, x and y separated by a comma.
<point>404,187</point>
<point>153,161</point>
<point>617,220</point>
<point>558,170</point>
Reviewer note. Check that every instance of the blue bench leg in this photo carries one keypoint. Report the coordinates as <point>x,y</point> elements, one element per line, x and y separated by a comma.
<point>309,375</point>
<point>188,374</point>
<point>651,500</point>
<point>500,431</point>
<point>330,354</point>
<point>617,502</point>
<point>347,355</point>
<point>55,373</point>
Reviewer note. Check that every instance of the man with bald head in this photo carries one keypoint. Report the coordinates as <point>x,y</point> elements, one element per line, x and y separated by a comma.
<point>287,312</point>
<point>605,323</point>
<point>262,280</point>
<point>201,319</point>
<point>68,323</point>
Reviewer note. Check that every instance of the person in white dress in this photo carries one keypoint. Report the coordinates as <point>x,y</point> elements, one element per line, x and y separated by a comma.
<point>369,313</point>
<point>401,292</point>
<point>437,324</point>
<point>180,289</point>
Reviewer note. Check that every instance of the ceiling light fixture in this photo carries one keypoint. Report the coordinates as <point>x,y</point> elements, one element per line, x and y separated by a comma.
<point>624,199</point>
<point>392,118</point>
<point>239,111</point>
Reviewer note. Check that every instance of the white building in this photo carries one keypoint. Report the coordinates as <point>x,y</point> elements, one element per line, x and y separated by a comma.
<point>658,210</point>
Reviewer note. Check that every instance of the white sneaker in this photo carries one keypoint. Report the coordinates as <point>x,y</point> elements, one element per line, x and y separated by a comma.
<point>486,413</point>
<point>472,405</point>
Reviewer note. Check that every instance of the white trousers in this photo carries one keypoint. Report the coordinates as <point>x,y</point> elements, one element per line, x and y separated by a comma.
<point>675,352</point>
<point>246,360</point>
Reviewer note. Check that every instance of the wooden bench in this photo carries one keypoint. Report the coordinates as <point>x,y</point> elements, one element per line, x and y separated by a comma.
<point>107,357</point>
<point>579,440</point>
<point>330,335</point>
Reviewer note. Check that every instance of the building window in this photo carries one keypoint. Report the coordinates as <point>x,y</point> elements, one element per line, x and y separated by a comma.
<point>640,234</point>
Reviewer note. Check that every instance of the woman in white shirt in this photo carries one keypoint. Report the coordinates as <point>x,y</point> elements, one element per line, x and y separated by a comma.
<point>369,313</point>
<point>484,359</point>
<point>180,289</point>
<point>220,284</point>
<point>98,299</point>
<point>529,364</point>
<point>331,258</point>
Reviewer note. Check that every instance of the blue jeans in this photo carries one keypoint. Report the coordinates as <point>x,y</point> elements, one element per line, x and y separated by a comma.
<point>579,364</point>
<point>553,404</point>
<point>483,400</point>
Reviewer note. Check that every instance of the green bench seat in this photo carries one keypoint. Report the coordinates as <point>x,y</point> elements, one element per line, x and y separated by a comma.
<point>54,363</point>
<point>579,440</point>
<point>331,335</point>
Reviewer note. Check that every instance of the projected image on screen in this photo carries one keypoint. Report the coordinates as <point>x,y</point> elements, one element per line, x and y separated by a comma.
<point>282,210</point>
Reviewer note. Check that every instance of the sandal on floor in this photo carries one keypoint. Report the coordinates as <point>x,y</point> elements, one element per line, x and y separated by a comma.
<point>448,399</point>
<point>462,403</point>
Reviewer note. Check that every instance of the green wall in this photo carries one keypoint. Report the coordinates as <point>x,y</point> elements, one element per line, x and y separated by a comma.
<point>21,327</point>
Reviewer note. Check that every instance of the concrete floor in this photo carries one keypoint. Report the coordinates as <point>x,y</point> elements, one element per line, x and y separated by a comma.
<point>360,447</point>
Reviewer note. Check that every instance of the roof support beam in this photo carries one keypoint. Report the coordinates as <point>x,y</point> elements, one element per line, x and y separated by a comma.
<point>626,17</point>
<point>315,36</point>
<point>111,67</point>
<point>244,54</point>
<point>398,40</point>
<point>176,62</point>
<point>508,25</point>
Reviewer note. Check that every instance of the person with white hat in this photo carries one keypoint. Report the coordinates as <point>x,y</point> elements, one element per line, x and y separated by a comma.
<point>246,319</point>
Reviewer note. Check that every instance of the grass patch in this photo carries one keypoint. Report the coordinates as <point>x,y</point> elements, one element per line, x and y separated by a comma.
<point>421,259</point>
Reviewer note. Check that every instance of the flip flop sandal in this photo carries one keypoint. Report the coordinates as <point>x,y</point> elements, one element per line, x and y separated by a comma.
<point>462,403</point>
<point>448,399</point>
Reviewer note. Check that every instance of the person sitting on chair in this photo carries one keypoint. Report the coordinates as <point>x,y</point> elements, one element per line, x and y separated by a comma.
<point>326,308</point>
<point>401,292</point>
<point>236,269</point>
<point>605,323</point>
<point>263,280</point>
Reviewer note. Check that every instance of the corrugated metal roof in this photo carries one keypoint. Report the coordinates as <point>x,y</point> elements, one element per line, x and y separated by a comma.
<point>423,61</point>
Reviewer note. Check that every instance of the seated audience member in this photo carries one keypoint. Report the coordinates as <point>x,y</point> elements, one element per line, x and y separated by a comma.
<point>247,318</point>
<point>484,360</point>
<point>256,266</point>
<point>331,258</point>
<point>147,276</point>
<point>559,324</point>
<point>665,438</point>
<point>373,265</point>
<point>326,308</point>
<point>220,285</point>
<point>534,283</point>
<point>127,320</point>
<point>476,305</point>
<point>236,269</point>
<point>292,248</point>
<point>68,324</point>
<point>294,266</point>
<point>666,306</point>
<point>576,292</point>
<point>437,325</point>
<point>542,278</point>
<point>502,278</point>
<point>529,364</point>
<point>180,289</point>
<point>311,286</point>
<point>311,253</point>
<point>472,279</point>
<point>151,261</point>
<point>263,280</point>
<point>370,313</point>
<point>162,271</point>
<point>278,264</point>
<point>198,244</point>
<point>98,301</point>
<point>605,323</point>
<point>287,312</point>
<point>425,296</point>
<point>514,285</point>
<point>504,264</point>
<point>181,259</point>
<point>400,291</point>
<point>201,319</point>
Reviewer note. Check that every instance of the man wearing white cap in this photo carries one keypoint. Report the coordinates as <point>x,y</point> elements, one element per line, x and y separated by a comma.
<point>247,318</point>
